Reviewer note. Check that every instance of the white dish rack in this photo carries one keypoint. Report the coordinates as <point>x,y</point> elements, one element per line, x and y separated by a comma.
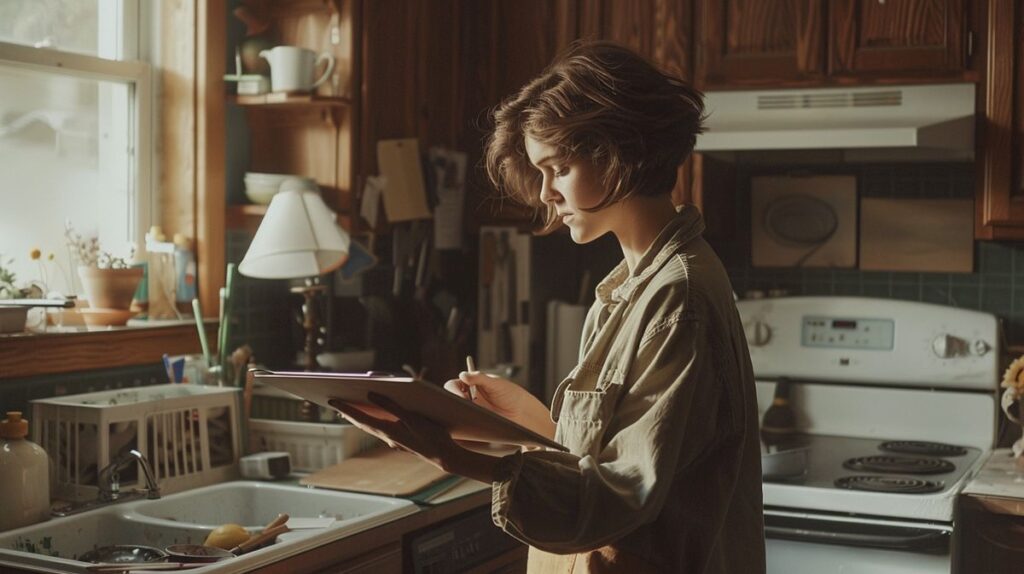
<point>312,446</point>
<point>189,434</point>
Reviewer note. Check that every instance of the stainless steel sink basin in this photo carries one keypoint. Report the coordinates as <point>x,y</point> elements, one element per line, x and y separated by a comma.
<point>187,518</point>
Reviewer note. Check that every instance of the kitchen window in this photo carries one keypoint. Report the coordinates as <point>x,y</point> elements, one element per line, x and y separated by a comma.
<point>76,131</point>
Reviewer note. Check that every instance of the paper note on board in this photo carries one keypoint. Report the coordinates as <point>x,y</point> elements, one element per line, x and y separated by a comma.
<point>405,196</point>
<point>371,199</point>
<point>449,177</point>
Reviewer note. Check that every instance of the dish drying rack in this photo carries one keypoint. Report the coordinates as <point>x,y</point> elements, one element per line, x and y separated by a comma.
<point>189,434</point>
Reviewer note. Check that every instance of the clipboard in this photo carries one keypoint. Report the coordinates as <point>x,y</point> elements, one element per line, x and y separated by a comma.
<point>463,419</point>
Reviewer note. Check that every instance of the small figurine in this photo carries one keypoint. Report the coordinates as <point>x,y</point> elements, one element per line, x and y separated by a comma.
<point>1013,382</point>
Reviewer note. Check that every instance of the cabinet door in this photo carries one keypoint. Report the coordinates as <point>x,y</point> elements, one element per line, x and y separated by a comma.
<point>999,194</point>
<point>912,37</point>
<point>760,42</point>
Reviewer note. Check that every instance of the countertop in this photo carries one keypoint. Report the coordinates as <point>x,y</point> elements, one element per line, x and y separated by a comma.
<point>1002,475</point>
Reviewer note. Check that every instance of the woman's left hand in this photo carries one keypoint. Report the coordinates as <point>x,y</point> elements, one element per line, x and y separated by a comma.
<point>421,436</point>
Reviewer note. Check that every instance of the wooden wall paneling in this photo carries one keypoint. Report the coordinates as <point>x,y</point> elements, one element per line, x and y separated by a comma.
<point>390,38</point>
<point>438,74</point>
<point>210,203</point>
<point>175,148</point>
<point>907,36</point>
<point>999,206</point>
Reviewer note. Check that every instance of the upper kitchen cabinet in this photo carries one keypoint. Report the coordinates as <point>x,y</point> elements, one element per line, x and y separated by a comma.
<point>780,43</point>
<point>999,196</point>
<point>760,42</point>
<point>661,30</point>
<point>897,38</point>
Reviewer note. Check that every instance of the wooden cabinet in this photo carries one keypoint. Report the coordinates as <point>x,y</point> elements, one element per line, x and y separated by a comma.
<point>777,43</point>
<point>897,37</point>
<point>999,194</point>
<point>989,535</point>
<point>760,42</point>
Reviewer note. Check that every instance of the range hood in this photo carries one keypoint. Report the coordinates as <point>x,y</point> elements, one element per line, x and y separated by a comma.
<point>939,117</point>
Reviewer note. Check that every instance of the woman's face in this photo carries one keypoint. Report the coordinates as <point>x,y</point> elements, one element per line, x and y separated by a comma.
<point>569,187</point>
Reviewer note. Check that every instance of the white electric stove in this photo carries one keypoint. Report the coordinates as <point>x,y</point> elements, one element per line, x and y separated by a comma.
<point>896,405</point>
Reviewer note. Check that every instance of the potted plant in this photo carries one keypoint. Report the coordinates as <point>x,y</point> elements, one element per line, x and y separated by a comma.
<point>109,281</point>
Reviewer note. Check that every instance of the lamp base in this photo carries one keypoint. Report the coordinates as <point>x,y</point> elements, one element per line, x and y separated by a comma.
<point>310,322</point>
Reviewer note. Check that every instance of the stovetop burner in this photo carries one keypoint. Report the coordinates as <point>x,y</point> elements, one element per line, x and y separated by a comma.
<point>899,464</point>
<point>922,447</point>
<point>895,484</point>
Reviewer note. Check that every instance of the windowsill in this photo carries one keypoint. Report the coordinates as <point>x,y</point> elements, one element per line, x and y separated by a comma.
<point>71,349</point>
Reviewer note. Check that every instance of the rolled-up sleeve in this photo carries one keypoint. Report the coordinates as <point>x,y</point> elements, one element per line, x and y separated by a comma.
<point>663,420</point>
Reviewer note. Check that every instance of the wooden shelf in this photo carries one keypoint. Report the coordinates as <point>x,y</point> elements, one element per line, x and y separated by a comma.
<point>284,100</point>
<point>27,355</point>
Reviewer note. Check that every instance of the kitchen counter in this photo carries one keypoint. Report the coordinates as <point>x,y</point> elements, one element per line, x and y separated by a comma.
<point>1002,476</point>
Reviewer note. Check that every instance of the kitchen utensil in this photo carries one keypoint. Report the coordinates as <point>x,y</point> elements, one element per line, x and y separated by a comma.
<point>276,526</point>
<point>292,68</point>
<point>197,553</point>
<point>151,566</point>
<point>779,420</point>
<point>123,554</point>
<point>783,464</point>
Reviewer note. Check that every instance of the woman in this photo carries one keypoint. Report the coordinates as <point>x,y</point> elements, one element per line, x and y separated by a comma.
<point>660,415</point>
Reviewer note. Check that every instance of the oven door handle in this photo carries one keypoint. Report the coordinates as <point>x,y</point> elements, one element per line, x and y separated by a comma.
<point>916,539</point>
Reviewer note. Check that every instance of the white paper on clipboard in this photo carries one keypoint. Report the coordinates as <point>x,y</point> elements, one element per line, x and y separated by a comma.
<point>463,419</point>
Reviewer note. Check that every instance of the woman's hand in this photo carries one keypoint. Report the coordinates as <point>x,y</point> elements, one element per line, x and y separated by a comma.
<point>419,435</point>
<point>505,398</point>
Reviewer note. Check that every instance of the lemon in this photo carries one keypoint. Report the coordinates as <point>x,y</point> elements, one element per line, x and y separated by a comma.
<point>227,536</point>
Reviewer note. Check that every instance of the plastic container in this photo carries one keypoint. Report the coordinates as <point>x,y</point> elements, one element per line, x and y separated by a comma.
<point>184,272</point>
<point>24,476</point>
<point>189,433</point>
<point>312,446</point>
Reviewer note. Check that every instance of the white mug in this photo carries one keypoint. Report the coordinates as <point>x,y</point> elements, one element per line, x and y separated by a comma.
<point>291,68</point>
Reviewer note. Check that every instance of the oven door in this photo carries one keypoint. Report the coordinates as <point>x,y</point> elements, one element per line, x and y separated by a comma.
<point>801,542</point>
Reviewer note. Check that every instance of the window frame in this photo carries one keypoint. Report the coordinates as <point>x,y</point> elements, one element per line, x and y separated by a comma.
<point>126,69</point>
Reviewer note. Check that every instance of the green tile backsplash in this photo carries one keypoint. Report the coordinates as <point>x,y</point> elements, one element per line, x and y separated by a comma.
<point>995,286</point>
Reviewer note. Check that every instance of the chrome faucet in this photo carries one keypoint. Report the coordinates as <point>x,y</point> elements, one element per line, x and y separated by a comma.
<point>109,481</point>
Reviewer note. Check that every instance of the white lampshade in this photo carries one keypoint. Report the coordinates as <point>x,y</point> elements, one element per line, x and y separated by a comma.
<point>297,238</point>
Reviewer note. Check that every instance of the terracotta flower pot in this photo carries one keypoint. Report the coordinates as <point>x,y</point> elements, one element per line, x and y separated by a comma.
<point>110,288</point>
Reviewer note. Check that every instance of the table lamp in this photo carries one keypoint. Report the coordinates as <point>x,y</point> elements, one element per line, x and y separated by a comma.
<point>298,239</point>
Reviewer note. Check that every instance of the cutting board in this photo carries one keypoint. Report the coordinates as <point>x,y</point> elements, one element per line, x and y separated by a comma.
<point>380,471</point>
<point>917,235</point>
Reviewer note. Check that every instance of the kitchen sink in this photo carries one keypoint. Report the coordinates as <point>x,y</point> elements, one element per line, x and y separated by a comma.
<point>254,504</point>
<point>187,518</point>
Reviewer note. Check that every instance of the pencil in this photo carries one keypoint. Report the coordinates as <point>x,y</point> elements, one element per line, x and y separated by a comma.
<point>472,370</point>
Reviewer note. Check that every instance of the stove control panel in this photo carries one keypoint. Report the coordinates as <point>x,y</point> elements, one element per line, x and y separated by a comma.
<point>872,341</point>
<point>847,333</point>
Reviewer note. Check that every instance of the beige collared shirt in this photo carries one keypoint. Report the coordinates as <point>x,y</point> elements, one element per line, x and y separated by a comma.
<point>660,419</point>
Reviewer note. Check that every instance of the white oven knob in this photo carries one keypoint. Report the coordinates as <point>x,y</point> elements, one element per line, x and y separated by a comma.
<point>758,333</point>
<point>980,347</point>
<point>947,346</point>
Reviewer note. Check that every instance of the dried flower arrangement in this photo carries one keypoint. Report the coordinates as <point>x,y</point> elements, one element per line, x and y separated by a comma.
<point>87,252</point>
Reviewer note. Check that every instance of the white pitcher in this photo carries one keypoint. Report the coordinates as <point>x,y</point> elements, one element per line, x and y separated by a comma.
<point>291,68</point>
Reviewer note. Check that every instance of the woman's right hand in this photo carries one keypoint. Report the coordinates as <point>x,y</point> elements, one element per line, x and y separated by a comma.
<point>505,398</point>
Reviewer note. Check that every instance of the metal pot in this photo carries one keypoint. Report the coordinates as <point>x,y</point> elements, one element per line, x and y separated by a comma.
<point>783,464</point>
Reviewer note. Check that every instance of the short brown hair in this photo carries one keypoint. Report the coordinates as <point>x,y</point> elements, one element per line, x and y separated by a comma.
<point>601,103</point>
